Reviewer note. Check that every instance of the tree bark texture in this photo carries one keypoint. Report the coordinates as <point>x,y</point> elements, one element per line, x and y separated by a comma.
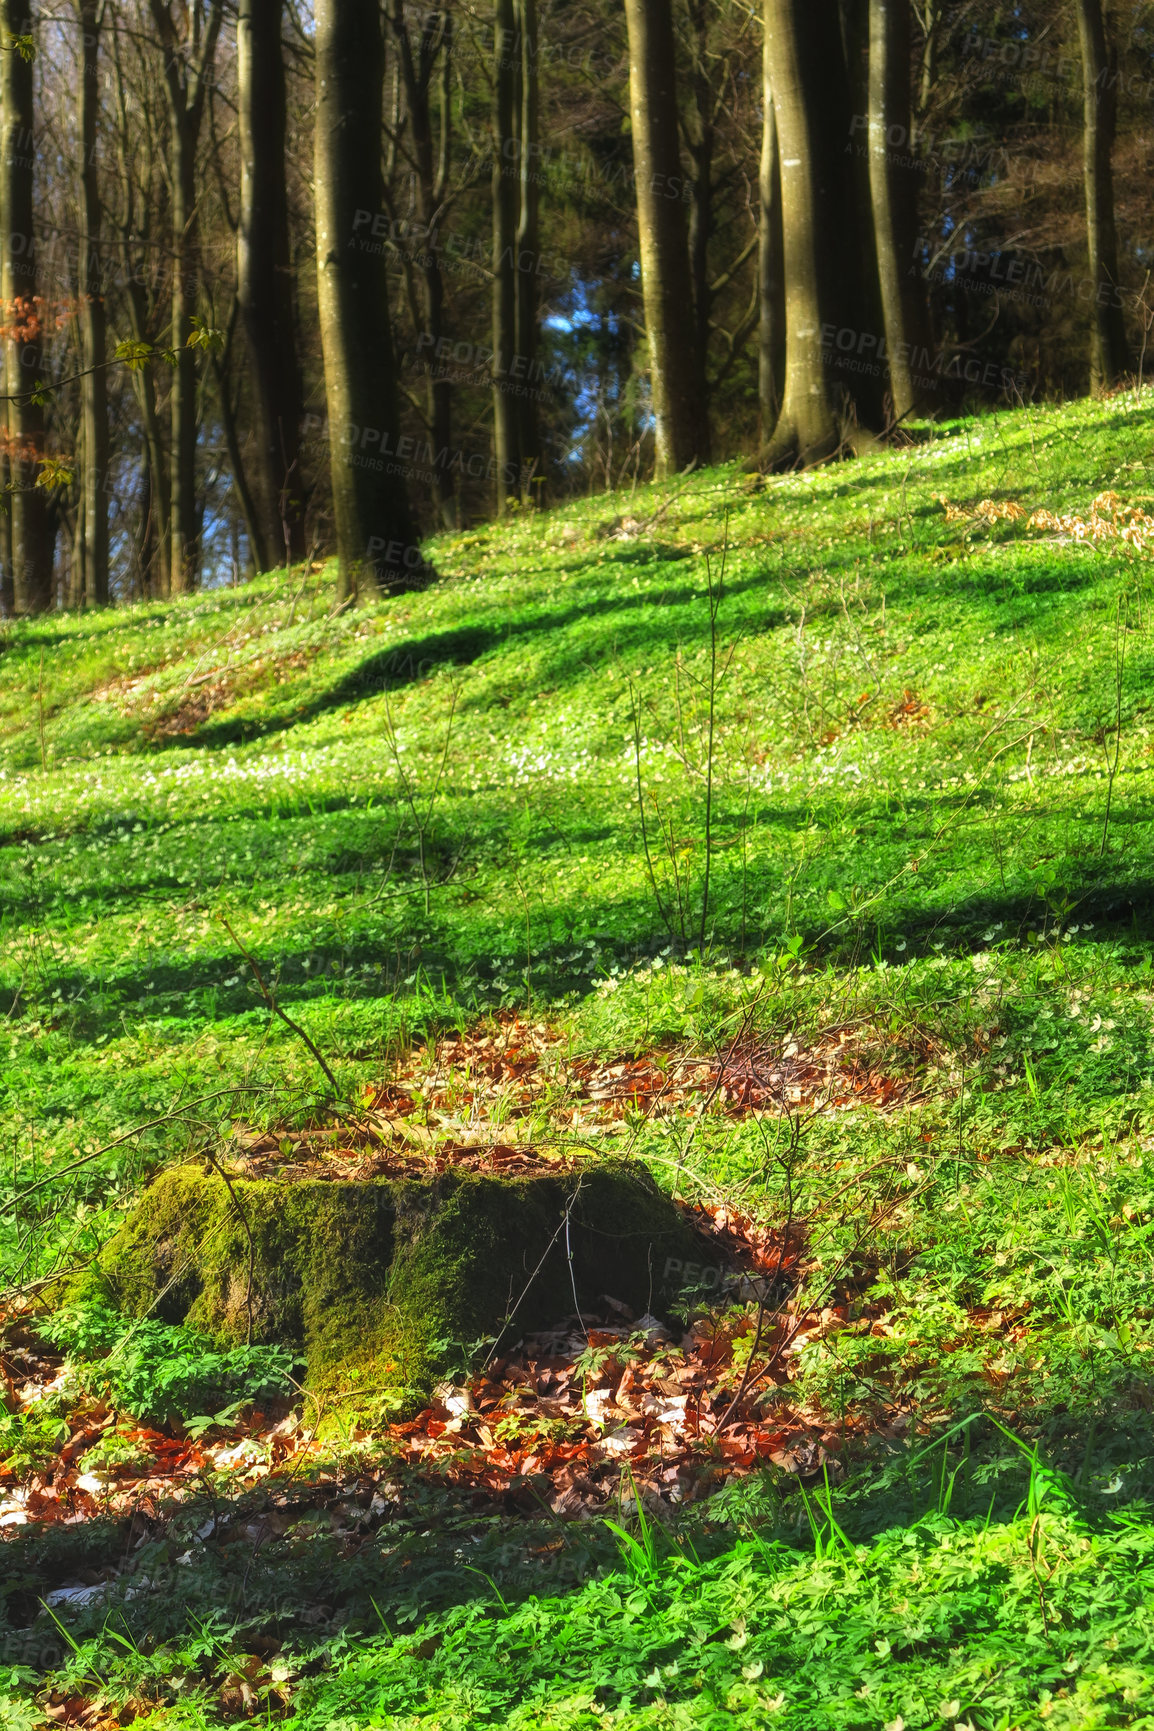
<point>376,535</point>
<point>1108,352</point>
<point>33,529</point>
<point>528,255</point>
<point>264,289</point>
<point>702,141</point>
<point>431,154</point>
<point>189,53</point>
<point>893,200</point>
<point>93,544</point>
<point>133,218</point>
<point>833,377</point>
<point>771,280</point>
<point>506,184</point>
<point>681,422</point>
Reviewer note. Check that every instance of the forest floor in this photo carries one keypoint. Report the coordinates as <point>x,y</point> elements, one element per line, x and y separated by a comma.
<point>869,989</point>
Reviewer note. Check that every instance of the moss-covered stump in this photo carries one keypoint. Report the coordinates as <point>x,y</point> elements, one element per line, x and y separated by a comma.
<point>381,1283</point>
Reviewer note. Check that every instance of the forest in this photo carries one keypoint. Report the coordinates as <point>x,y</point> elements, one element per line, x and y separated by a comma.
<point>281,286</point>
<point>576,918</point>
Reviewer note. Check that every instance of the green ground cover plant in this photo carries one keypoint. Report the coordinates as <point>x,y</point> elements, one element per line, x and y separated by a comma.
<point>855,762</point>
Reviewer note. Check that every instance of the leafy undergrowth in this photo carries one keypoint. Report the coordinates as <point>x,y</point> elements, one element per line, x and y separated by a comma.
<point>839,919</point>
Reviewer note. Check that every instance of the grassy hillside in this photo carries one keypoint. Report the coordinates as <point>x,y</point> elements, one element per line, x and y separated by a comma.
<point>897,713</point>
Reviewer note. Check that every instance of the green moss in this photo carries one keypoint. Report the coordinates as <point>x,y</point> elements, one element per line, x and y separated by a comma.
<point>372,1281</point>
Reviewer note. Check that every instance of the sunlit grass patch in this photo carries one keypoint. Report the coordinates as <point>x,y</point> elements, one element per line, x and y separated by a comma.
<point>916,992</point>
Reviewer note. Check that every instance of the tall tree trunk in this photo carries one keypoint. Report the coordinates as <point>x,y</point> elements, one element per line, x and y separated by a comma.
<point>184,557</point>
<point>830,340</point>
<point>93,547</point>
<point>866,392</point>
<point>431,185</point>
<point>682,430</point>
<point>770,277</point>
<point>264,288</point>
<point>528,254</point>
<point>1108,354</point>
<point>893,199</point>
<point>33,532</point>
<point>188,66</point>
<point>160,517</point>
<point>149,542</point>
<point>376,535</point>
<point>701,148</point>
<point>506,177</point>
<point>134,226</point>
<point>440,395</point>
<point>222,366</point>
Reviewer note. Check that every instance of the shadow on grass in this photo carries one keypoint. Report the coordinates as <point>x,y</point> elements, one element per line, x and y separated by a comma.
<point>468,941</point>
<point>375,1547</point>
<point>419,658</point>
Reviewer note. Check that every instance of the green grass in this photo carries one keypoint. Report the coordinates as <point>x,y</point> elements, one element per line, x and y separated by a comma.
<point>428,809</point>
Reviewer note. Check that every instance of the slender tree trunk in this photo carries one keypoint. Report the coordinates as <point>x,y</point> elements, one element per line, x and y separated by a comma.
<point>865,389</point>
<point>682,430</point>
<point>1108,353</point>
<point>431,183</point>
<point>184,558</point>
<point>149,543</point>
<point>440,394</point>
<point>187,70</point>
<point>73,585</point>
<point>832,334</point>
<point>528,255</point>
<point>506,177</point>
<point>160,579</point>
<point>807,428</point>
<point>222,366</point>
<point>93,546</point>
<point>771,280</point>
<point>376,535</point>
<point>439,403</point>
<point>264,288</point>
<point>893,199</point>
<point>134,228</point>
<point>33,534</point>
<point>701,220</point>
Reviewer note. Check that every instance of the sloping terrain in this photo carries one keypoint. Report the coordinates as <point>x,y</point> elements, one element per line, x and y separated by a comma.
<point>792,836</point>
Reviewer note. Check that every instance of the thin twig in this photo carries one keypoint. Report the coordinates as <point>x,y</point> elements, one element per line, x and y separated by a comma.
<point>271,1001</point>
<point>563,1227</point>
<point>152,1123</point>
<point>572,1275</point>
